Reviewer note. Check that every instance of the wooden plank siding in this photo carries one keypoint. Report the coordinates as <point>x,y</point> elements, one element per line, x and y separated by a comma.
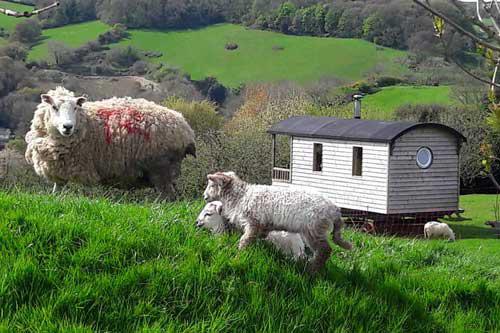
<point>367,192</point>
<point>412,189</point>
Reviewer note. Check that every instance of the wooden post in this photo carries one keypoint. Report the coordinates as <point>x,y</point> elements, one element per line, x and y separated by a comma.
<point>274,152</point>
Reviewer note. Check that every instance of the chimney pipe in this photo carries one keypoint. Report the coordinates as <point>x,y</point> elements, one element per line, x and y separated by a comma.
<point>357,106</point>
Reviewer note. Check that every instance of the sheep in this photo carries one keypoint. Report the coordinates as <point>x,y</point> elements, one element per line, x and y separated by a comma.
<point>211,218</point>
<point>434,228</point>
<point>261,209</point>
<point>118,141</point>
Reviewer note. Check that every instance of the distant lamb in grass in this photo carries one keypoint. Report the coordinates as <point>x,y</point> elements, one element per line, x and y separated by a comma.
<point>118,141</point>
<point>212,218</point>
<point>261,209</point>
<point>438,229</point>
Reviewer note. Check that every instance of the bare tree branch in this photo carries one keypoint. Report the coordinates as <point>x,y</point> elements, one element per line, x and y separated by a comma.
<point>457,26</point>
<point>13,13</point>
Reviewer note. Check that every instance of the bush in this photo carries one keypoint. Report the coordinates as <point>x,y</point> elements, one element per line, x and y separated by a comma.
<point>14,50</point>
<point>231,46</point>
<point>123,56</point>
<point>27,31</point>
<point>212,89</point>
<point>386,81</point>
<point>201,116</point>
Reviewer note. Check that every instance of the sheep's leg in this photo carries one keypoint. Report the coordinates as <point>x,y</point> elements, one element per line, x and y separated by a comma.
<point>55,188</point>
<point>248,237</point>
<point>318,243</point>
<point>337,234</point>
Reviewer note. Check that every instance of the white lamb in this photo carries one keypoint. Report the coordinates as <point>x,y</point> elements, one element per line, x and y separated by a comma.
<point>211,218</point>
<point>438,229</point>
<point>119,141</point>
<point>261,209</point>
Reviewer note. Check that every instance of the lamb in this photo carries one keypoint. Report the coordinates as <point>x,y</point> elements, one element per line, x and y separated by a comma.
<point>437,229</point>
<point>118,141</point>
<point>211,218</point>
<point>261,209</point>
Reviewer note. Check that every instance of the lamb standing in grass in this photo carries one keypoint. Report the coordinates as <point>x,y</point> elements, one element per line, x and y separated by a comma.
<point>211,217</point>
<point>119,141</point>
<point>438,229</point>
<point>261,209</point>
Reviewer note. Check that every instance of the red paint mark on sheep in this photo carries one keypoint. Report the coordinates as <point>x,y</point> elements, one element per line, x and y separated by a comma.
<point>126,118</point>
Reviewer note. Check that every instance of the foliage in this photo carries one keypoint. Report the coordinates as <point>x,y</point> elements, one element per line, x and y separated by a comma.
<point>27,31</point>
<point>201,116</point>
<point>71,263</point>
<point>123,56</point>
<point>14,50</point>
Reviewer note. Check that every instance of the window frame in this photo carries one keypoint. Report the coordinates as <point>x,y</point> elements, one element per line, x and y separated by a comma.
<point>317,167</point>
<point>424,167</point>
<point>357,161</point>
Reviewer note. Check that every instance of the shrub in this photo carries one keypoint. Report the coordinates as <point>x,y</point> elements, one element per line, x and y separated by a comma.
<point>123,56</point>
<point>201,116</point>
<point>212,89</point>
<point>386,81</point>
<point>231,46</point>
<point>14,50</point>
<point>27,31</point>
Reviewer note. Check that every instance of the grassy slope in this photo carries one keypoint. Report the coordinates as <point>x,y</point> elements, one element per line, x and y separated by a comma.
<point>70,262</point>
<point>72,35</point>
<point>8,22</point>
<point>389,99</point>
<point>201,53</point>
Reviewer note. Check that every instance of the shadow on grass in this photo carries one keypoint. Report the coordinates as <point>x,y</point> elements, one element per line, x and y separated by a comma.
<point>389,293</point>
<point>473,232</point>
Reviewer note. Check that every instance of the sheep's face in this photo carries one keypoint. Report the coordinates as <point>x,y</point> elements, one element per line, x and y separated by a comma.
<point>216,183</point>
<point>64,114</point>
<point>210,217</point>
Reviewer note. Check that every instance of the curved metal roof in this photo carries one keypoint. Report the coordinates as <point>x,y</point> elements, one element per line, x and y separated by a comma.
<point>351,129</point>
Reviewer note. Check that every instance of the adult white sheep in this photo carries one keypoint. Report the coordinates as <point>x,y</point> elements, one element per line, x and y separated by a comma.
<point>118,141</point>
<point>212,218</point>
<point>261,209</point>
<point>438,229</point>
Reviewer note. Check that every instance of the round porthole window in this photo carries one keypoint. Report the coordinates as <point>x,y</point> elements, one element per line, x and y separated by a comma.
<point>424,157</point>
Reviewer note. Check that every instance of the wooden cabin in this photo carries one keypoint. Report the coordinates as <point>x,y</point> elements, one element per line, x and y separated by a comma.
<point>380,168</point>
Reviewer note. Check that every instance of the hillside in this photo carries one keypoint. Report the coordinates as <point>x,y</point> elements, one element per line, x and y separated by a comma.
<point>71,263</point>
<point>261,56</point>
<point>73,35</point>
<point>383,103</point>
<point>8,22</point>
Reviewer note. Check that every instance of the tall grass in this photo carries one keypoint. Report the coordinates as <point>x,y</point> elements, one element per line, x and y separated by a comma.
<point>76,264</point>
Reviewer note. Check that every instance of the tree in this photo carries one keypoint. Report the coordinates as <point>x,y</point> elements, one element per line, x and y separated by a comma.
<point>28,31</point>
<point>284,18</point>
<point>332,18</point>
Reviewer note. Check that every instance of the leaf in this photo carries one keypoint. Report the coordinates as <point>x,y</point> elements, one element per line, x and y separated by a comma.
<point>439,26</point>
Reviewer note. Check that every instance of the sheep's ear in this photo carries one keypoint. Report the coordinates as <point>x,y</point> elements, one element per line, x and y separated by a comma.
<point>220,179</point>
<point>218,208</point>
<point>80,100</point>
<point>47,99</point>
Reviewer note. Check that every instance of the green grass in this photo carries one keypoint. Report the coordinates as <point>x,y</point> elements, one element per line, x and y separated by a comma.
<point>74,35</point>
<point>389,99</point>
<point>75,264</point>
<point>9,22</point>
<point>201,53</point>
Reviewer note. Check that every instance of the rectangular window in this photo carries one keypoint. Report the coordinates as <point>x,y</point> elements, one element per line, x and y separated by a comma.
<point>357,161</point>
<point>318,157</point>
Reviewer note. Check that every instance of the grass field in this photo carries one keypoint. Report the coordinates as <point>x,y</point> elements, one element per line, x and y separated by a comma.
<point>74,264</point>
<point>72,35</point>
<point>9,22</point>
<point>386,101</point>
<point>202,53</point>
